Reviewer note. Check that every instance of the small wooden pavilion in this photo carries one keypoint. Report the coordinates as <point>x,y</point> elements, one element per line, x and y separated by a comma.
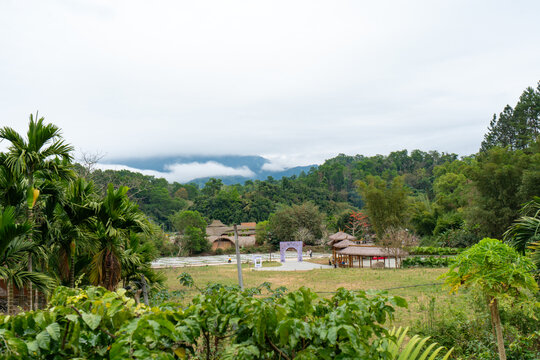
<point>347,256</point>
<point>339,246</point>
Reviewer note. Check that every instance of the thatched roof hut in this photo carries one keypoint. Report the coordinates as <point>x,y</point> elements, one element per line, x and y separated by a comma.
<point>343,244</point>
<point>356,253</point>
<point>340,236</point>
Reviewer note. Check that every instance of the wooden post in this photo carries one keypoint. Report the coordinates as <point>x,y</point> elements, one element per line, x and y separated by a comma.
<point>350,261</point>
<point>238,261</point>
<point>361,261</point>
<point>370,263</point>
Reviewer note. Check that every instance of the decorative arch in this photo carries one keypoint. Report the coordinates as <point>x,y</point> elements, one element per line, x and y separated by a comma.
<point>284,245</point>
<point>222,243</point>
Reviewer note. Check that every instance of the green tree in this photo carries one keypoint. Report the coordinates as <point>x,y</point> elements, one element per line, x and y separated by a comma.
<point>14,251</point>
<point>424,216</point>
<point>526,229</point>
<point>289,219</point>
<point>212,187</point>
<point>502,181</point>
<point>35,157</point>
<point>498,271</point>
<point>72,229</point>
<point>181,220</point>
<point>194,240</point>
<point>262,232</point>
<point>116,218</point>
<point>386,204</point>
<point>518,127</point>
<point>449,191</point>
<point>525,232</point>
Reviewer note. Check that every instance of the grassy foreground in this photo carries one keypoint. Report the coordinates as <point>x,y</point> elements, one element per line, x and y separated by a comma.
<point>401,282</point>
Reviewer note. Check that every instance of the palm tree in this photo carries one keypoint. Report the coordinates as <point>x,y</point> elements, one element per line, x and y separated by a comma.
<point>43,153</point>
<point>526,229</point>
<point>116,217</point>
<point>74,216</point>
<point>12,186</point>
<point>136,265</point>
<point>14,251</point>
<point>525,232</point>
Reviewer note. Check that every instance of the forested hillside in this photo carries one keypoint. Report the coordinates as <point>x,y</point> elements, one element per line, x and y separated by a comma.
<point>458,199</point>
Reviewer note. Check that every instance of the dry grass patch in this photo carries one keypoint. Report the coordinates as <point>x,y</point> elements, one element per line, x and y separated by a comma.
<point>412,284</point>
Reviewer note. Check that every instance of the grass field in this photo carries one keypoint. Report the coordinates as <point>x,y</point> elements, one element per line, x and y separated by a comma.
<point>412,284</point>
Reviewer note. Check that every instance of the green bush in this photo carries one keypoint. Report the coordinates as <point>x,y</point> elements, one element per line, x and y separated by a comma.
<point>430,250</point>
<point>222,322</point>
<point>430,261</point>
<point>460,238</point>
<point>469,330</point>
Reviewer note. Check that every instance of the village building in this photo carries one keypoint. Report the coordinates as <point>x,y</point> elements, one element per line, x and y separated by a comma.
<point>221,236</point>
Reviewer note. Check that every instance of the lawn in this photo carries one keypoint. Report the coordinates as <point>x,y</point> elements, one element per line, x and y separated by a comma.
<point>412,284</point>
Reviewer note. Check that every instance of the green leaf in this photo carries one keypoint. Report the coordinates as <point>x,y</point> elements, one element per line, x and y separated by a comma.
<point>91,320</point>
<point>43,340</point>
<point>72,317</point>
<point>54,331</point>
<point>401,302</point>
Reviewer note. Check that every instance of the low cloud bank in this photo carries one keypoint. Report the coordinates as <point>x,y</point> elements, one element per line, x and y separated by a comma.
<point>183,173</point>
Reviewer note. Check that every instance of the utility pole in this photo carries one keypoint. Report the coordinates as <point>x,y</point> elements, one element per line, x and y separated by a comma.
<point>238,261</point>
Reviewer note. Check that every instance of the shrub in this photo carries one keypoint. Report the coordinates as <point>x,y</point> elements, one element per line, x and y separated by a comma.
<point>222,322</point>
<point>430,250</point>
<point>458,238</point>
<point>430,261</point>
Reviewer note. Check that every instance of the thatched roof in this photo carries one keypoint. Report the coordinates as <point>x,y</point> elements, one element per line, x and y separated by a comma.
<point>217,223</point>
<point>340,236</point>
<point>371,251</point>
<point>343,244</point>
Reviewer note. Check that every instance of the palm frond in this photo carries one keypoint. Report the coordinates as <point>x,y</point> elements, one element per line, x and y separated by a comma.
<point>414,347</point>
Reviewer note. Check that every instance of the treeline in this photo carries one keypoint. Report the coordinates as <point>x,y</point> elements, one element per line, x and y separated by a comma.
<point>454,201</point>
<point>331,187</point>
<point>57,228</point>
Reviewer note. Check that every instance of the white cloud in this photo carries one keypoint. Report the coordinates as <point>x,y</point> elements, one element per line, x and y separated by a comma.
<point>279,162</point>
<point>308,77</point>
<point>186,172</point>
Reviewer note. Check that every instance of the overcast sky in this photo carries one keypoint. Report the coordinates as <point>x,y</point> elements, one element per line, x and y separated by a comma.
<point>295,81</point>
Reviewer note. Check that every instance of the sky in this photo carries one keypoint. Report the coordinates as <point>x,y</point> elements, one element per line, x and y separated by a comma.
<point>295,81</point>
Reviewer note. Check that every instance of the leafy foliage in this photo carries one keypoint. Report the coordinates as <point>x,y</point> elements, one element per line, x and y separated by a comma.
<point>429,250</point>
<point>518,127</point>
<point>413,350</point>
<point>493,267</point>
<point>498,271</point>
<point>386,204</point>
<point>221,322</point>
<point>285,223</point>
<point>430,261</point>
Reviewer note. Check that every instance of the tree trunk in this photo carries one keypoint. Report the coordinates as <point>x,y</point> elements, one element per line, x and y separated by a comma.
<point>30,268</point>
<point>494,309</point>
<point>30,292</point>
<point>144,290</point>
<point>72,267</point>
<point>9,297</point>
<point>106,273</point>
<point>36,299</point>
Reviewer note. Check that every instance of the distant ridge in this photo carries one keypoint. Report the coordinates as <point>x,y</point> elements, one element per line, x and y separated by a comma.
<point>254,162</point>
<point>263,175</point>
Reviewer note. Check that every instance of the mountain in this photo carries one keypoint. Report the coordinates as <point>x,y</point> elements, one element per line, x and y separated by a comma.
<point>254,163</point>
<point>262,175</point>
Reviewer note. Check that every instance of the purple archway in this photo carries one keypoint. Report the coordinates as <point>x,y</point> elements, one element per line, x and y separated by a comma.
<point>284,245</point>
